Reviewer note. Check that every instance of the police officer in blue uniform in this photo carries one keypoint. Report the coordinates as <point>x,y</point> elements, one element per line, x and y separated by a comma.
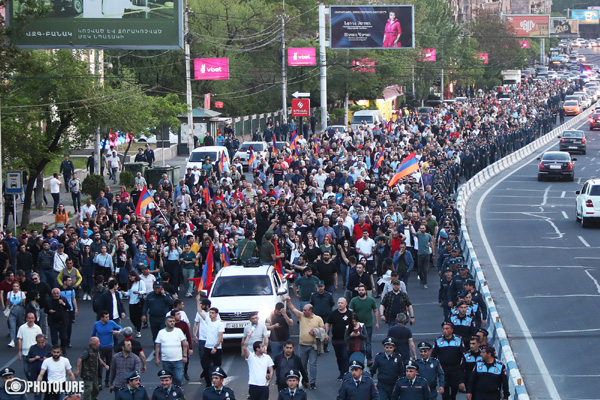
<point>412,386</point>
<point>7,375</point>
<point>217,391</point>
<point>292,392</point>
<point>445,299</point>
<point>430,369</point>
<point>449,350</point>
<point>166,390</point>
<point>472,357</point>
<point>489,380</point>
<point>390,366</point>
<point>464,325</point>
<point>477,298</point>
<point>358,387</point>
<point>134,390</point>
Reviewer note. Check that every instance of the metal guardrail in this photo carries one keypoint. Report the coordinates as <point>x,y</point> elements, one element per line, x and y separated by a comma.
<point>497,335</point>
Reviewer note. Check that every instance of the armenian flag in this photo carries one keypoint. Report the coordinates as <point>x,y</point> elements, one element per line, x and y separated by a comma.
<point>206,193</point>
<point>207,271</point>
<point>278,263</point>
<point>274,144</point>
<point>222,161</point>
<point>250,156</point>
<point>409,166</point>
<point>294,143</point>
<point>144,201</point>
<point>316,146</point>
<point>379,161</point>
<point>224,256</point>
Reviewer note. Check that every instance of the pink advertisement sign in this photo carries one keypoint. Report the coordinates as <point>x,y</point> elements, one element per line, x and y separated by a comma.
<point>211,69</point>
<point>428,55</point>
<point>364,65</point>
<point>483,57</point>
<point>524,44</point>
<point>298,56</point>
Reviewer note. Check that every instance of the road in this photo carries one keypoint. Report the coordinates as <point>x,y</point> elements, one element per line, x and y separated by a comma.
<point>543,271</point>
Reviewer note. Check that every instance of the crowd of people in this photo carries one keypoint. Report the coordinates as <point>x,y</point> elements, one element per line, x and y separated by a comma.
<point>322,212</point>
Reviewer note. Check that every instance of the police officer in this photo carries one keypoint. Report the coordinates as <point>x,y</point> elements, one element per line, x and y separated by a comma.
<point>134,390</point>
<point>472,357</point>
<point>167,390</point>
<point>140,156</point>
<point>464,325</point>
<point>157,305</point>
<point>7,375</point>
<point>478,299</point>
<point>449,350</point>
<point>358,387</point>
<point>292,392</point>
<point>431,370</point>
<point>390,366</point>
<point>412,386</point>
<point>217,391</point>
<point>445,299</point>
<point>489,379</point>
<point>149,154</point>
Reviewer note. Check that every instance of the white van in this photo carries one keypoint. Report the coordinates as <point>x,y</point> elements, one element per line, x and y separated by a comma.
<point>371,117</point>
<point>199,154</point>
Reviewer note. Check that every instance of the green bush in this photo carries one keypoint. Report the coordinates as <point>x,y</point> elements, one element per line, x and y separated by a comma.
<point>126,179</point>
<point>92,185</point>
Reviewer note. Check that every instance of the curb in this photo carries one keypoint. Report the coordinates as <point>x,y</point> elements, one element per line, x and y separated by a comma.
<point>497,335</point>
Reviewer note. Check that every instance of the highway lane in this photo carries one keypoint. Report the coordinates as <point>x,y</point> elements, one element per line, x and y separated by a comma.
<point>527,239</point>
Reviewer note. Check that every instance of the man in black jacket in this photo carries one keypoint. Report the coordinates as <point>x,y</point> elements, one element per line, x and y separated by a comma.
<point>58,318</point>
<point>108,300</point>
<point>286,361</point>
<point>45,295</point>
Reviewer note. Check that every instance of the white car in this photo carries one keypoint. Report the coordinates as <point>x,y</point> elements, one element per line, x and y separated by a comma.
<point>239,291</point>
<point>200,154</point>
<point>261,148</point>
<point>150,138</point>
<point>588,202</point>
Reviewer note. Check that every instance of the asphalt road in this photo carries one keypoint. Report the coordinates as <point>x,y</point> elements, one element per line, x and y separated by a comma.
<point>543,271</point>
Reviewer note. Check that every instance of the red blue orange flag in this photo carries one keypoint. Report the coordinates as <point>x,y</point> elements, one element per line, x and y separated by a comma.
<point>274,145</point>
<point>224,256</point>
<point>379,161</point>
<point>250,156</point>
<point>144,201</point>
<point>206,193</point>
<point>316,146</point>
<point>409,166</point>
<point>278,263</point>
<point>207,271</point>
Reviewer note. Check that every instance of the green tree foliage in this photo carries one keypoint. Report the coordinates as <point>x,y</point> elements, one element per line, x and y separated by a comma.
<point>92,185</point>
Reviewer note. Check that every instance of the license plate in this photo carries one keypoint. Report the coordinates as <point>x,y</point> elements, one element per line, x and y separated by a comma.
<point>237,325</point>
<point>554,166</point>
<point>572,147</point>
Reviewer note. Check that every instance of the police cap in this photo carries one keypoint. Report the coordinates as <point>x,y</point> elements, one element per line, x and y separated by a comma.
<point>424,346</point>
<point>218,371</point>
<point>292,374</point>
<point>8,372</point>
<point>411,365</point>
<point>389,342</point>
<point>132,375</point>
<point>163,373</point>
<point>447,323</point>
<point>356,364</point>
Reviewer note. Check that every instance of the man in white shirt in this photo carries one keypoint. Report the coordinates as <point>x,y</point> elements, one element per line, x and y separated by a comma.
<point>213,353</point>
<point>258,332</point>
<point>55,185</point>
<point>88,208</point>
<point>365,247</point>
<point>171,347</point>
<point>114,164</point>
<point>26,337</point>
<point>200,322</point>
<point>260,369</point>
<point>58,368</point>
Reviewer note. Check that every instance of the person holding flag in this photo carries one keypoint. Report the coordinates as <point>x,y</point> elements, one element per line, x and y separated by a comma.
<point>316,141</point>
<point>268,255</point>
<point>379,162</point>
<point>274,145</point>
<point>250,154</point>
<point>409,166</point>
<point>224,256</point>
<point>144,202</point>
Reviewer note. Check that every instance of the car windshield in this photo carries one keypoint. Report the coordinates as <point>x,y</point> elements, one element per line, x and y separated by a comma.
<point>359,119</point>
<point>200,156</point>
<point>595,190</point>
<point>242,286</point>
<point>556,157</point>
<point>255,146</point>
<point>570,103</point>
<point>573,134</point>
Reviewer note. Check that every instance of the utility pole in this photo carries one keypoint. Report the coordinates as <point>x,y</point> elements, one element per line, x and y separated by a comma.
<point>283,62</point>
<point>323,63</point>
<point>188,82</point>
<point>98,61</point>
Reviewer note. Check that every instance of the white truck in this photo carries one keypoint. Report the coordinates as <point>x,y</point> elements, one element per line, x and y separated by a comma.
<point>511,76</point>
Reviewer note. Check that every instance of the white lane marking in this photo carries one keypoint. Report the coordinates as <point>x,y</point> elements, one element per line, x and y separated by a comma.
<point>10,362</point>
<point>150,357</point>
<point>541,365</point>
<point>563,194</point>
<point>565,215</point>
<point>586,244</point>
<point>552,224</point>
<point>546,247</point>
<point>593,159</point>
<point>545,196</point>
<point>553,296</point>
<point>593,279</point>
<point>582,168</point>
<point>543,266</point>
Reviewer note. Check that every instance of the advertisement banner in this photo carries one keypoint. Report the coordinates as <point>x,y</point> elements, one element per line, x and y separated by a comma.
<point>428,55</point>
<point>364,65</point>
<point>483,57</point>
<point>524,44</point>
<point>372,27</point>
<point>302,56</point>
<point>207,101</point>
<point>564,28</point>
<point>300,107</point>
<point>586,16</point>
<point>530,25</point>
<point>105,24</point>
<point>211,69</point>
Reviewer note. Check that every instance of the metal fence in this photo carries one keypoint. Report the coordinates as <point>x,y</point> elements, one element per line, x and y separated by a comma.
<point>246,125</point>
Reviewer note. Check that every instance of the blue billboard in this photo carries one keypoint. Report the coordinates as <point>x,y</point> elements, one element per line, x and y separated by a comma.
<point>586,16</point>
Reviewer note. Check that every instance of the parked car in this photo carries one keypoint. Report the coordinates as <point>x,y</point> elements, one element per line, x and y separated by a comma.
<point>199,155</point>
<point>261,148</point>
<point>587,203</point>
<point>572,141</point>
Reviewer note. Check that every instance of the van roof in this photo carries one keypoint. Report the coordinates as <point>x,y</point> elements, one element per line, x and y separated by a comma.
<point>366,112</point>
<point>209,148</point>
<point>240,270</point>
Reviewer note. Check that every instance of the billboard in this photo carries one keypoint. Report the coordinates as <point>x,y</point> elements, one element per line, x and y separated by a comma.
<point>372,27</point>
<point>524,44</point>
<point>483,57</point>
<point>364,65</point>
<point>428,55</point>
<point>586,16</point>
<point>300,107</point>
<point>105,24</point>
<point>299,56</point>
<point>564,28</point>
<point>211,69</point>
<point>529,25</point>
